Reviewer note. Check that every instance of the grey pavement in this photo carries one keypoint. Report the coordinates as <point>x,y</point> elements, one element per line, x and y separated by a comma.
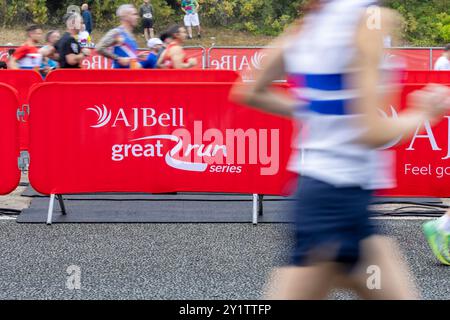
<point>171,261</point>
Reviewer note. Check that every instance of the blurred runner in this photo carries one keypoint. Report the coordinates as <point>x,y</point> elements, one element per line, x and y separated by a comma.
<point>174,56</point>
<point>166,40</point>
<point>121,40</point>
<point>27,56</point>
<point>151,61</point>
<point>49,52</point>
<point>437,233</point>
<point>333,60</point>
<point>69,50</point>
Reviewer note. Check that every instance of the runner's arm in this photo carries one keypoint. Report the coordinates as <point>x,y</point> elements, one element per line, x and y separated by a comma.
<point>177,55</point>
<point>12,64</point>
<point>260,94</point>
<point>74,59</point>
<point>105,43</point>
<point>159,63</point>
<point>369,44</point>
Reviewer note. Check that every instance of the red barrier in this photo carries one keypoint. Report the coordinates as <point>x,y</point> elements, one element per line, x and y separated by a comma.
<point>61,75</point>
<point>22,81</point>
<point>414,77</point>
<point>248,60</point>
<point>9,170</point>
<point>436,54</point>
<point>415,59</point>
<point>162,137</point>
<point>422,164</point>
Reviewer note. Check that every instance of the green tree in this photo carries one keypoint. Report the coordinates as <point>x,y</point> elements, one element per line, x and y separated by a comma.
<point>426,22</point>
<point>38,11</point>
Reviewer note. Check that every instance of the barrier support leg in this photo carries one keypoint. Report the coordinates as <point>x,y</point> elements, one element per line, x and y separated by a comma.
<point>61,204</point>
<point>260,205</point>
<point>50,209</point>
<point>52,205</point>
<point>255,210</point>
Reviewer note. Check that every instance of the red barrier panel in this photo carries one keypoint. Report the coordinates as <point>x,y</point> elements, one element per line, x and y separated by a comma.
<point>247,61</point>
<point>161,137</point>
<point>422,164</point>
<point>436,55</point>
<point>415,59</point>
<point>9,170</point>
<point>414,77</point>
<point>22,81</point>
<point>61,75</point>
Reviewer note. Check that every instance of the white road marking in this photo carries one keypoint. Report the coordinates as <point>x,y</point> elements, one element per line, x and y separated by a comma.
<point>6,218</point>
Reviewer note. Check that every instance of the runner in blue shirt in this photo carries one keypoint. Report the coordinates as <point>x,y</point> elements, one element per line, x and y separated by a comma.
<point>122,40</point>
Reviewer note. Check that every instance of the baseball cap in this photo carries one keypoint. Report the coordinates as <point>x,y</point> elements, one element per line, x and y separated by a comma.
<point>154,42</point>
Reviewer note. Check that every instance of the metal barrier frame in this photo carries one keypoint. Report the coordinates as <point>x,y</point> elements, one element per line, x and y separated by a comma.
<point>204,55</point>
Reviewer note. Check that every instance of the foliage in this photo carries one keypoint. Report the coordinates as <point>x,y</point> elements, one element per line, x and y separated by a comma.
<point>426,22</point>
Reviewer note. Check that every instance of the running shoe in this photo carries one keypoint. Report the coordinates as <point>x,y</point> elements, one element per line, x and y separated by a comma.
<point>438,240</point>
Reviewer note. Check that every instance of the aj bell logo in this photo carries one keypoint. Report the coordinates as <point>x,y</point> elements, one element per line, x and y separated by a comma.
<point>257,60</point>
<point>146,117</point>
<point>429,135</point>
<point>3,55</point>
<point>103,114</point>
<point>233,62</point>
<point>198,150</point>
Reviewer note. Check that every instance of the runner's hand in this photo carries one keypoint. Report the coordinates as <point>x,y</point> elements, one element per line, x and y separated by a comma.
<point>192,62</point>
<point>86,52</point>
<point>433,99</point>
<point>124,62</point>
<point>142,56</point>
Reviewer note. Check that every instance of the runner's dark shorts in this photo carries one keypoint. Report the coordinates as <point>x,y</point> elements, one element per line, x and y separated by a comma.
<point>330,223</point>
<point>147,23</point>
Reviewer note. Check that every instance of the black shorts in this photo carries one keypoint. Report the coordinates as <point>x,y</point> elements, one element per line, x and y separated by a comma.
<point>147,23</point>
<point>330,223</point>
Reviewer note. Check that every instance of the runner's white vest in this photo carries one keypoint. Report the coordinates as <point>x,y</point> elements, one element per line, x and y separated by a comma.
<point>318,63</point>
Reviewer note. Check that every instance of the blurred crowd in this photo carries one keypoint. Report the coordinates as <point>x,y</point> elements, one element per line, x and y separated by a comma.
<point>45,52</point>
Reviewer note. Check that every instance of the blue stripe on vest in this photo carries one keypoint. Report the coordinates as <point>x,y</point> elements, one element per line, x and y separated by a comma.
<point>333,107</point>
<point>326,82</point>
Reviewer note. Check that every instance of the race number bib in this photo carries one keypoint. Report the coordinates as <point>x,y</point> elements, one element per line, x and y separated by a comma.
<point>74,47</point>
<point>31,60</point>
<point>148,15</point>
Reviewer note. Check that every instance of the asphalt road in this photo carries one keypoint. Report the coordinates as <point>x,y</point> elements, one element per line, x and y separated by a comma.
<point>171,261</point>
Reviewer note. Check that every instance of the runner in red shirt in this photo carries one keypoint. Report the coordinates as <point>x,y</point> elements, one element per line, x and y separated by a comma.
<point>27,56</point>
<point>174,57</point>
